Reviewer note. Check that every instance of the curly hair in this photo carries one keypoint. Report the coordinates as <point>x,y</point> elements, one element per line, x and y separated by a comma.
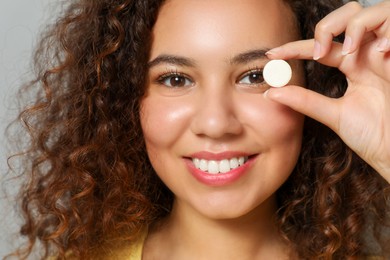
<point>88,178</point>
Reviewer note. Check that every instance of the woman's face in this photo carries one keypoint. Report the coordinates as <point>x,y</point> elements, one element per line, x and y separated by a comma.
<point>212,136</point>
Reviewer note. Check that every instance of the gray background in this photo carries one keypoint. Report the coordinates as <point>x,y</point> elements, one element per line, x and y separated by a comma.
<point>20,22</point>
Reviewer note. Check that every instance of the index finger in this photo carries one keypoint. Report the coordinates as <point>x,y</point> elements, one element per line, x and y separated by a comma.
<point>333,25</point>
<point>303,49</point>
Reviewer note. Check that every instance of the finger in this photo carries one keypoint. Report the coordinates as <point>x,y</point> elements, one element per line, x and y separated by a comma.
<point>310,103</point>
<point>304,50</point>
<point>383,32</point>
<point>371,19</point>
<point>333,25</point>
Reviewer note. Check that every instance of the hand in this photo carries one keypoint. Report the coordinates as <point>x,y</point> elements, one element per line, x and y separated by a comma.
<point>362,116</point>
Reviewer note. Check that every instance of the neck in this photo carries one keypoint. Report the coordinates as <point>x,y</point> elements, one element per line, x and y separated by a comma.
<point>251,236</point>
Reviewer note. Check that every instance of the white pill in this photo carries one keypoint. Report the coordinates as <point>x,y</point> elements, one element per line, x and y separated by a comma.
<point>277,73</point>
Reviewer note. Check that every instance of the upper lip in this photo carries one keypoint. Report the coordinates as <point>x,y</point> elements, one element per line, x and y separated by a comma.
<point>219,156</point>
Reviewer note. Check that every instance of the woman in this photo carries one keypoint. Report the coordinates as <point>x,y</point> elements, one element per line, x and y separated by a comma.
<point>155,135</point>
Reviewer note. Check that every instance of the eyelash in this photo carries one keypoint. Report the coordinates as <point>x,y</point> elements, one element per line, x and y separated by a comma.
<point>171,74</point>
<point>248,73</point>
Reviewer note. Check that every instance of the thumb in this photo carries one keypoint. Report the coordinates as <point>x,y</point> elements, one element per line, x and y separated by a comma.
<point>319,107</point>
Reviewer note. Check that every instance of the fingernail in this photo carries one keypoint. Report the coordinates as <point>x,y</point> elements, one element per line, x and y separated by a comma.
<point>273,51</point>
<point>317,51</point>
<point>347,45</point>
<point>383,45</point>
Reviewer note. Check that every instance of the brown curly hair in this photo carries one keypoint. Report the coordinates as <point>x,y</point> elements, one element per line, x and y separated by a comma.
<point>88,178</point>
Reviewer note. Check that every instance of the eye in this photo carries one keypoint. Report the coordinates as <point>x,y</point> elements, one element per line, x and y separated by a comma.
<point>175,80</point>
<point>253,77</point>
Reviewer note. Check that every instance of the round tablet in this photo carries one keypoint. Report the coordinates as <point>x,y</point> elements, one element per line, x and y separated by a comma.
<point>277,73</point>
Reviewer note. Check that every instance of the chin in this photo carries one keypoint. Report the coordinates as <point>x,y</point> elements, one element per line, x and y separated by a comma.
<point>228,210</point>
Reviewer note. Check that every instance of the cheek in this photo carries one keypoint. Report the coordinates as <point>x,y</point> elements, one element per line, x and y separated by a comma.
<point>163,121</point>
<point>286,137</point>
<point>277,130</point>
<point>271,123</point>
<point>287,124</point>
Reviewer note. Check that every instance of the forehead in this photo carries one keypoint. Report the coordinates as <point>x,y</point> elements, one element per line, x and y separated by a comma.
<point>272,21</point>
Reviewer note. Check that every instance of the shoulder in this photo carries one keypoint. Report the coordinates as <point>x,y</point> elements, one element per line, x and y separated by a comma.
<point>119,251</point>
<point>125,251</point>
<point>128,252</point>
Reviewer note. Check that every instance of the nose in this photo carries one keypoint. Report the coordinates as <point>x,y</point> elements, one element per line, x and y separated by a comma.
<point>216,115</point>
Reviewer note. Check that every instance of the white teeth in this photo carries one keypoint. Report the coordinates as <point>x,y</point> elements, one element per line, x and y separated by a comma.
<point>196,161</point>
<point>224,166</point>
<point>203,165</point>
<point>241,161</point>
<point>234,163</point>
<point>215,167</point>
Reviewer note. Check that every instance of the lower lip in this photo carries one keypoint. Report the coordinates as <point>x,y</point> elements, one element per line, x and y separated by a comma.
<point>219,179</point>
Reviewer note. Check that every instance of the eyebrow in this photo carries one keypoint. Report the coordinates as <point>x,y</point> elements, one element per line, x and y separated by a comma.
<point>241,58</point>
<point>249,56</point>
<point>172,59</point>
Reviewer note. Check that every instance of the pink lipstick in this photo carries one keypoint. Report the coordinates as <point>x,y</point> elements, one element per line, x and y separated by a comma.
<point>219,169</point>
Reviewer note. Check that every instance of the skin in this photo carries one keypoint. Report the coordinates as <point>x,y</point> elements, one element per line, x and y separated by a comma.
<point>214,110</point>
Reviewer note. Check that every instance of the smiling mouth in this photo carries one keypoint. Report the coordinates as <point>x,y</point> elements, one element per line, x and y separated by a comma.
<point>219,167</point>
